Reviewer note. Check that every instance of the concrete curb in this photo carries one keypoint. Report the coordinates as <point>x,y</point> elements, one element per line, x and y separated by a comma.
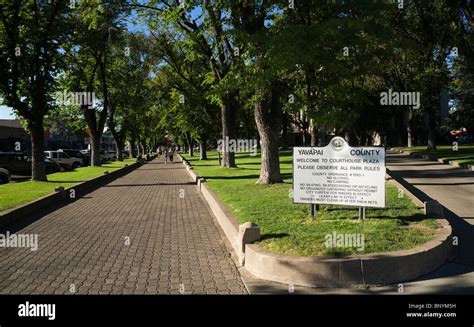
<point>429,207</point>
<point>376,269</point>
<point>433,158</point>
<point>420,204</point>
<point>16,215</point>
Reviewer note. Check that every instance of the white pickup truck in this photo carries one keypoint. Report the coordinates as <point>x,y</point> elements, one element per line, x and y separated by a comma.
<point>104,155</point>
<point>63,159</point>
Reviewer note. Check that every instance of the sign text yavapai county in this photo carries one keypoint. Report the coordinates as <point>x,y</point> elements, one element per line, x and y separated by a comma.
<point>339,174</point>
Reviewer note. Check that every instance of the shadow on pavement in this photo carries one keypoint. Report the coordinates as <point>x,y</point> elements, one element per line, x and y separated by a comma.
<point>154,184</point>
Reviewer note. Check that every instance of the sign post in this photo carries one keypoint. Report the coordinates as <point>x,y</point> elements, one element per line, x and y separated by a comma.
<point>313,211</point>
<point>339,174</point>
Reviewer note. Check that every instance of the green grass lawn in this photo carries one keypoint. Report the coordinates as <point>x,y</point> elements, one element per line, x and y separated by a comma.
<point>464,154</point>
<point>17,193</point>
<point>287,228</point>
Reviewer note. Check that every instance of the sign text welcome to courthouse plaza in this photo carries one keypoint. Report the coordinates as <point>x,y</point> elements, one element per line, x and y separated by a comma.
<point>339,174</point>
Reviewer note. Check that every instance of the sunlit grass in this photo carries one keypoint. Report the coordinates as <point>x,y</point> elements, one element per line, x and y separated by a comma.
<point>288,228</point>
<point>17,193</point>
<point>463,154</point>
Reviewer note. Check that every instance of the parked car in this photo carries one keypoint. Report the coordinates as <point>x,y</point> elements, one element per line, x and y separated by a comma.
<point>64,159</point>
<point>464,139</point>
<point>77,154</point>
<point>18,163</point>
<point>104,156</point>
<point>4,176</point>
<point>62,166</point>
<point>125,154</point>
<point>51,166</point>
<point>112,155</point>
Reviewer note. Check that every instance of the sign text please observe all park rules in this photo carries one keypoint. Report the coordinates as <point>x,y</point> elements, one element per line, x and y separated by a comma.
<point>339,174</point>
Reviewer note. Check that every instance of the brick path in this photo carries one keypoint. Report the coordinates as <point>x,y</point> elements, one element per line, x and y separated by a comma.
<point>175,244</point>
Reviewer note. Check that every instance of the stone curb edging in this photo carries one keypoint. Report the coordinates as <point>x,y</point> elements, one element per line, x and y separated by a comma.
<point>373,269</point>
<point>429,207</point>
<point>433,158</point>
<point>391,179</point>
<point>376,268</point>
<point>16,215</point>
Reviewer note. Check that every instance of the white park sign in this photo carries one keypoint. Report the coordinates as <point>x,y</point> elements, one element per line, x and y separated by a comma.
<point>339,174</point>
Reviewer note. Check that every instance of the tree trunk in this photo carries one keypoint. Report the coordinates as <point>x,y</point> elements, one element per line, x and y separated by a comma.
<point>268,121</point>
<point>410,128</point>
<point>139,148</point>
<point>398,130</point>
<point>284,126</point>
<point>202,151</point>
<point>133,148</point>
<point>119,146</point>
<point>95,150</point>
<point>119,143</point>
<point>314,133</point>
<point>322,138</point>
<point>431,132</point>
<point>347,137</point>
<point>190,142</point>
<point>38,172</point>
<point>228,129</point>
<point>96,130</point>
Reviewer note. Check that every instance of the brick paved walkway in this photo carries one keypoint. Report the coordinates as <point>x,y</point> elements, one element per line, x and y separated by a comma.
<point>175,245</point>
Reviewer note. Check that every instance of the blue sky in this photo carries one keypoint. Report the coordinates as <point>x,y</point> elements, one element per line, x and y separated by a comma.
<point>6,113</point>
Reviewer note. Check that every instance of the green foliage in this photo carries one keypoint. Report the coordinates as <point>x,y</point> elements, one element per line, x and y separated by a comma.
<point>31,37</point>
<point>16,194</point>
<point>287,228</point>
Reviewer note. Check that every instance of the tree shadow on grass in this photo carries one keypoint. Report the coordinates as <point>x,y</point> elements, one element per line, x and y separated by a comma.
<point>231,177</point>
<point>404,218</point>
<point>283,176</point>
<point>355,209</point>
<point>68,182</point>
<point>273,235</point>
<point>201,165</point>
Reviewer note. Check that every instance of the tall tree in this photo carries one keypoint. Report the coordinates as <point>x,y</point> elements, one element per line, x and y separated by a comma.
<point>88,55</point>
<point>210,37</point>
<point>430,25</point>
<point>31,36</point>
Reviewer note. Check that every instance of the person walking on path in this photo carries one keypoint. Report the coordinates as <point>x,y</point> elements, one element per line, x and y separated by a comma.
<point>165,153</point>
<point>170,154</point>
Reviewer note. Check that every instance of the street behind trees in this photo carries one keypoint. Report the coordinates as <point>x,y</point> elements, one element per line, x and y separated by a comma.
<point>284,73</point>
